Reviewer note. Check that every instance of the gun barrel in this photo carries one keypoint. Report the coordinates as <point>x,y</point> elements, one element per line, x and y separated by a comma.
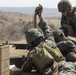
<point>19,46</point>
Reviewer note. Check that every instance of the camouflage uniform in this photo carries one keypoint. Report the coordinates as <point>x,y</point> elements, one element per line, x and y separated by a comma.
<point>66,46</point>
<point>47,31</point>
<point>68,23</point>
<point>38,54</point>
<point>67,68</point>
<point>49,37</point>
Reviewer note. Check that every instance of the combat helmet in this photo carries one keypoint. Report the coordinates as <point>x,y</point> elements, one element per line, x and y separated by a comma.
<point>64,5</point>
<point>57,33</point>
<point>33,34</point>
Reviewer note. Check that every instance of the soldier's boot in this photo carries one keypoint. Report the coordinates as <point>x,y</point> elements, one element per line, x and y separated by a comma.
<point>71,56</point>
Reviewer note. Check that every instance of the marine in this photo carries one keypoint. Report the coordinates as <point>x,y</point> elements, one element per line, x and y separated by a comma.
<point>38,53</point>
<point>68,19</point>
<point>43,47</point>
<point>65,45</point>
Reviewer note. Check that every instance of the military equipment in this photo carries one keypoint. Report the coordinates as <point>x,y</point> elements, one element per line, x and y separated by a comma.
<point>64,5</point>
<point>57,32</point>
<point>35,20</point>
<point>18,46</point>
<point>55,52</point>
<point>32,35</point>
<point>39,56</point>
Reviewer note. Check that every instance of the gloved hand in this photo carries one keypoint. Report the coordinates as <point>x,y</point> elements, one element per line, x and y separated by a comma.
<point>38,10</point>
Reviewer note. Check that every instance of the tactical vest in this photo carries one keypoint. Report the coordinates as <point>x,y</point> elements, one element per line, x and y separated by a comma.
<point>55,52</point>
<point>41,57</point>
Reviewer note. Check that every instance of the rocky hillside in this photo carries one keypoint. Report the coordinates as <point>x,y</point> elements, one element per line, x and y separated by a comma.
<point>13,26</point>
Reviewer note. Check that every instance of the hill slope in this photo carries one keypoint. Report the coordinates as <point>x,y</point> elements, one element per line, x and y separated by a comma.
<point>13,25</point>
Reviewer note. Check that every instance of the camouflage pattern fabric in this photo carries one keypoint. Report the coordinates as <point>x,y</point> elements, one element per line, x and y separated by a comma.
<point>69,24</point>
<point>58,34</point>
<point>39,52</point>
<point>66,47</point>
<point>46,30</point>
<point>39,56</point>
<point>55,52</point>
<point>68,68</point>
<point>32,35</point>
<point>50,42</point>
<point>27,66</point>
<point>49,37</point>
<point>64,5</point>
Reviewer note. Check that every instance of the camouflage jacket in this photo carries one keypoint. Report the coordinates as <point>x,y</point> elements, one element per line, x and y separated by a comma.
<point>66,46</point>
<point>49,37</point>
<point>68,68</point>
<point>69,21</point>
